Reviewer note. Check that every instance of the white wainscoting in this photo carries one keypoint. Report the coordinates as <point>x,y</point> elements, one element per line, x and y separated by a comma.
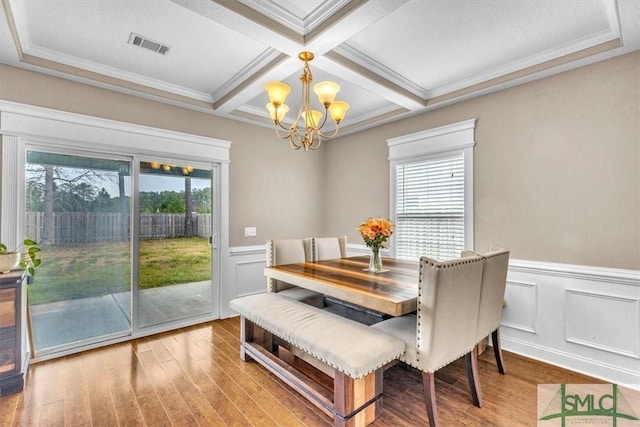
<point>586,319</point>
<point>245,275</point>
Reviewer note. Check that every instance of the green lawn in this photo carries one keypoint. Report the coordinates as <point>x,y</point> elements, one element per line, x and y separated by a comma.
<point>91,269</point>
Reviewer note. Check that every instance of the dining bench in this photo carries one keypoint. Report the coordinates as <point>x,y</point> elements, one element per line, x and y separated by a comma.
<point>353,354</point>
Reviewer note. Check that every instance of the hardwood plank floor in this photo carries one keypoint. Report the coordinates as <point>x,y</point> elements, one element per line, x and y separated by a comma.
<point>194,377</point>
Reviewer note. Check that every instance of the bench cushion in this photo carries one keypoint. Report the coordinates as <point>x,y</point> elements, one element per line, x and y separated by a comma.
<point>343,344</point>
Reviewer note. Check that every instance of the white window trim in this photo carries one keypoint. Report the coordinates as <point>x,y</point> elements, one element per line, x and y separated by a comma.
<point>444,140</point>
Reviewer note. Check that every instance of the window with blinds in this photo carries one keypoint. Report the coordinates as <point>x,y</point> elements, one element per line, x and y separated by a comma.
<point>430,208</point>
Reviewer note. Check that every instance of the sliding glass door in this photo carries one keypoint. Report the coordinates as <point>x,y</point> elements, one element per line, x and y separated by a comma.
<point>107,274</point>
<point>77,209</point>
<point>174,243</point>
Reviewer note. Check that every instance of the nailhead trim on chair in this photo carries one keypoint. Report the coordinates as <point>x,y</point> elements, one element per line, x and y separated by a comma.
<point>462,261</point>
<point>314,256</point>
<point>270,263</point>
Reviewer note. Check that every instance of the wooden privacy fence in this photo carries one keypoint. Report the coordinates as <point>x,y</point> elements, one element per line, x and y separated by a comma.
<point>82,227</point>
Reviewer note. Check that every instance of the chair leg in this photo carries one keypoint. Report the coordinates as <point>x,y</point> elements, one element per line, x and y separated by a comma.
<point>497,350</point>
<point>429,388</point>
<point>471,360</point>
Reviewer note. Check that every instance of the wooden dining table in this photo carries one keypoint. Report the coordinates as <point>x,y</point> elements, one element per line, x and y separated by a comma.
<point>393,291</point>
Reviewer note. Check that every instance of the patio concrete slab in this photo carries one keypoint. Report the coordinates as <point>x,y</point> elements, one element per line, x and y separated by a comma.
<point>65,322</point>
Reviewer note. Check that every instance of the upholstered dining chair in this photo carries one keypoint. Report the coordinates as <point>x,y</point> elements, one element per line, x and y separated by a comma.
<point>444,327</point>
<point>290,251</point>
<point>329,248</point>
<point>494,280</point>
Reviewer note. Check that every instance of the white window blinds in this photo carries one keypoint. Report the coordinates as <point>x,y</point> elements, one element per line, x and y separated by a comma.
<point>430,208</point>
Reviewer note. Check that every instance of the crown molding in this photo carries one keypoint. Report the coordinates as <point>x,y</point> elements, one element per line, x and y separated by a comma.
<point>531,63</point>
<point>135,79</point>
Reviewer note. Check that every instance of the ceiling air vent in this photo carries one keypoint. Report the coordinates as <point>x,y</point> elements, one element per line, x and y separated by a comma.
<point>138,40</point>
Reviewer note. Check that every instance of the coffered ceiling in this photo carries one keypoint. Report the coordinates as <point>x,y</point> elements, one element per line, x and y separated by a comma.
<point>392,58</point>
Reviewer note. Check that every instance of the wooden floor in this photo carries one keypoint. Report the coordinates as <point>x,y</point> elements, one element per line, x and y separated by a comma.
<point>194,377</point>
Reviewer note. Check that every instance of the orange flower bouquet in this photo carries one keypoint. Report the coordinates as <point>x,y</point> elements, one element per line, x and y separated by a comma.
<point>375,232</point>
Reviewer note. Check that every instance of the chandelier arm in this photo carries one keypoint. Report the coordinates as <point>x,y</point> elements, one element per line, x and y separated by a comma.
<point>278,124</point>
<point>279,135</point>
<point>318,137</point>
<point>335,132</point>
<point>296,140</point>
<point>298,117</point>
<point>324,121</point>
<point>292,143</point>
<point>307,79</point>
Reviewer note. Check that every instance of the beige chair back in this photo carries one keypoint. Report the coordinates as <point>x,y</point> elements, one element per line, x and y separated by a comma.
<point>287,251</point>
<point>494,280</point>
<point>448,302</point>
<point>329,248</point>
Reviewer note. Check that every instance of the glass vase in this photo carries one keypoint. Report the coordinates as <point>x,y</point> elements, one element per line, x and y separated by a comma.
<point>375,261</point>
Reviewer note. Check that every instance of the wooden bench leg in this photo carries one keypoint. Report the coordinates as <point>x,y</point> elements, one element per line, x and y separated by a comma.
<point>249,332</point>
<point>246,335</point>
<point>357,403</point>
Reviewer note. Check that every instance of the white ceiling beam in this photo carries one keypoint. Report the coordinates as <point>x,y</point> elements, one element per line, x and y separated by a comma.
<point>366,79</point>
<point>350,20</point>
<point>244,20</point>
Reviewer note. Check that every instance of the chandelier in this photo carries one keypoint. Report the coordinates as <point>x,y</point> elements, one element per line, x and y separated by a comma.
<point>308,135</point>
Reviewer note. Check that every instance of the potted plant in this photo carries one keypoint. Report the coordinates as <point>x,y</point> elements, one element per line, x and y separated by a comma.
<point>10,260</point>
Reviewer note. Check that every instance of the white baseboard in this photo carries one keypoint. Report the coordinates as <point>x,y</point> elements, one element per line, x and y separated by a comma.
<point>573,362</point>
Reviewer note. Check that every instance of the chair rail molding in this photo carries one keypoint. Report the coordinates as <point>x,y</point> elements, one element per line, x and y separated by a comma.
<point>585,272</point>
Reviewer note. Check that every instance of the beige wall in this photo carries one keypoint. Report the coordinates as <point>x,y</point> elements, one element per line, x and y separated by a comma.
<point>557,163</point>
<point>557,167</point>
<point>271,187</point>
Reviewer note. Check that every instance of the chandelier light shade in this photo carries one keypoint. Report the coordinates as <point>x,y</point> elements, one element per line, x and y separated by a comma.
<point>305,132</point>
<point>326,92</point>
<point>278,92</point>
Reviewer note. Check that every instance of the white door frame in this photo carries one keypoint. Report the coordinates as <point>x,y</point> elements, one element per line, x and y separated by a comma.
<point>22,124</point>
